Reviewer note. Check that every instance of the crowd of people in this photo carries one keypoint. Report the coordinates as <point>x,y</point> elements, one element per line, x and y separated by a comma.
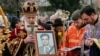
<point>83,31</point>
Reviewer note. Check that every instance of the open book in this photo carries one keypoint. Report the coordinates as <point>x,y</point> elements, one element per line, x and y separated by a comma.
<point>76,48</point>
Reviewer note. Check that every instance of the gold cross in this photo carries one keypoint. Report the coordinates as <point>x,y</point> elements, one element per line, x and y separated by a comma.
<point>21,34</point>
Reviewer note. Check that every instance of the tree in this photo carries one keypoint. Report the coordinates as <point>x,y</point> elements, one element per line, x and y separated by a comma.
<point>11,6</point>
<point>69,5</point>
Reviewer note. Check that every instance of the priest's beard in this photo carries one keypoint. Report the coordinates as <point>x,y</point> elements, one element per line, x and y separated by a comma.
<point>28,29</point>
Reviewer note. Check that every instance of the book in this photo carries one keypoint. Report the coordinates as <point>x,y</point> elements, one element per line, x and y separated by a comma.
<point>76,48</point>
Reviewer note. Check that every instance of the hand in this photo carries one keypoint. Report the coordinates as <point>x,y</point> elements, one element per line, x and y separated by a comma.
<point>88,42</point>
<point>64,54</point>
<point>28,39</point>
<point>61,53</point>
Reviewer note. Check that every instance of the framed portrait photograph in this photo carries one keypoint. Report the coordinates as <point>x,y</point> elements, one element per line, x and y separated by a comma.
<point>45,43</point>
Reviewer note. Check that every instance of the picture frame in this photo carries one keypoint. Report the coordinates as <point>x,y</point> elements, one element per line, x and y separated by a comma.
<point>45,39</point>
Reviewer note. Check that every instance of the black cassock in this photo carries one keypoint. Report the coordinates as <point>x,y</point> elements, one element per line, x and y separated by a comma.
<point>94,50</point>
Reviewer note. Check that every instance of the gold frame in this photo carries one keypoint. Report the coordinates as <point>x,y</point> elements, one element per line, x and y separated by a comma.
<point>36,42</point>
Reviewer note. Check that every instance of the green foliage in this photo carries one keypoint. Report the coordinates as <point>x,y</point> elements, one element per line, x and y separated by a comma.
<point>47,8</point>
<point>10,6</point>
<point>69,5</point>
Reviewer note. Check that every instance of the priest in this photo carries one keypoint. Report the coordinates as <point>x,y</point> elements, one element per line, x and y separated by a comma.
<point>21,41</point>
